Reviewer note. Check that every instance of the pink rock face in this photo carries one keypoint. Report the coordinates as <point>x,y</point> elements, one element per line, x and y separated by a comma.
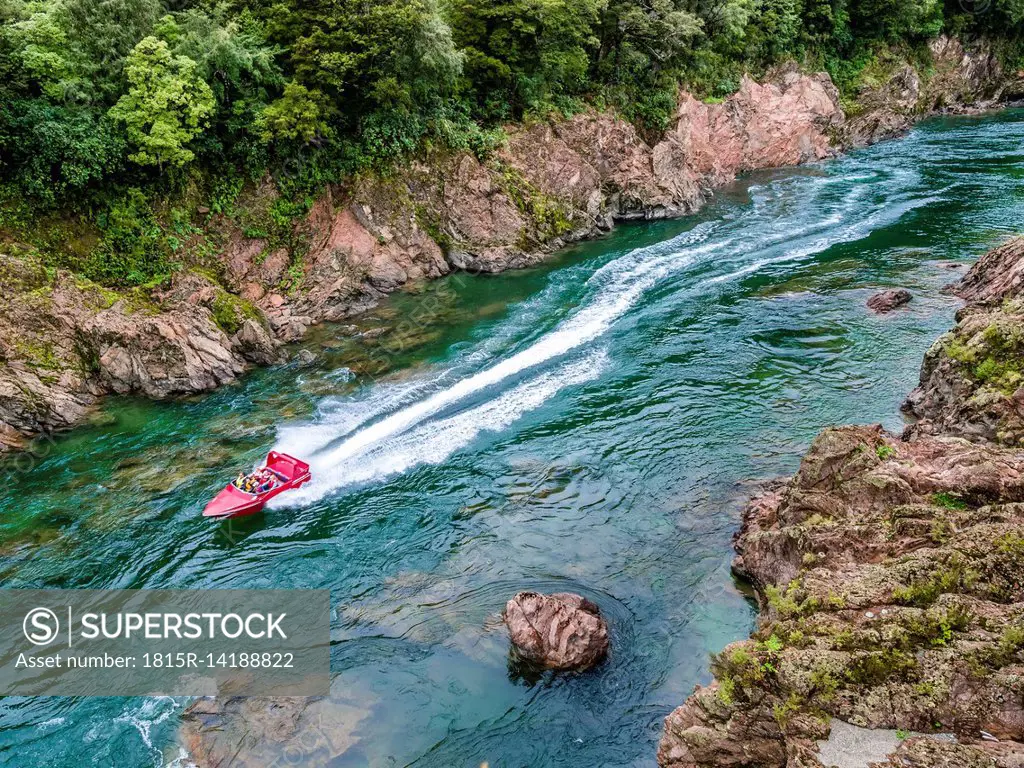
<point>542,156</point>
<point>370,249</point>
<point>997,275</point>
<point>784,122</point>
<point>559,631</point>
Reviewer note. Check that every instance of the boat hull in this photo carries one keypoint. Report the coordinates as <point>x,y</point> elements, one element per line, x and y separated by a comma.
<point>233,502</point>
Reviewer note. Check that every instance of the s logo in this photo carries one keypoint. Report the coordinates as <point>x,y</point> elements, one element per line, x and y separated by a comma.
<point>40,626</point>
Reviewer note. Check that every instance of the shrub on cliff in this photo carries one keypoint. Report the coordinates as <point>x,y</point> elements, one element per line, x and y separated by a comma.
<point>131,249</point>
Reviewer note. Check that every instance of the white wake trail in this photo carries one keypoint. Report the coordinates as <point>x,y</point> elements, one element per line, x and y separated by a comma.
<point>434,441</point>
<point>851,233</point>
<point>622,288</point>
<point>615,288</point>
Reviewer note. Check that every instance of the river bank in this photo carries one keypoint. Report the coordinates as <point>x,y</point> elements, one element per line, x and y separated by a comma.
<point>67,342</point>
<point>888,573</point>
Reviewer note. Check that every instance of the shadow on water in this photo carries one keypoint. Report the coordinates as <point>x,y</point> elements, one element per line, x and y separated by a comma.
<point>234,531</point>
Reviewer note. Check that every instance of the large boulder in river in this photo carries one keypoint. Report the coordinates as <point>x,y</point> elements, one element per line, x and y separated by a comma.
<point>887,301</point>
<point>559,631</point>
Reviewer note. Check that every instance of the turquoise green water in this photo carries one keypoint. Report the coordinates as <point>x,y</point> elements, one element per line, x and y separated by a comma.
<point>593,425</point>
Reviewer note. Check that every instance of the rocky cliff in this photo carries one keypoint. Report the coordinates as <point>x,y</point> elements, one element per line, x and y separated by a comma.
<point>64,342</point>
<point>972,377</point>
<point>67,342</point>
<point>959,79</point>
<point>889,573</point>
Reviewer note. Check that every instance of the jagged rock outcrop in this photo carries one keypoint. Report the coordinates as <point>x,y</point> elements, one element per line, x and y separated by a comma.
<point>972,379</point>
<point>890,580</point>
<point>996,276</point>
<point>788,120</point>
<point>558,631</point>
<point>966,78</point>
<point>885,111</point>
<point>959,80</point>
<point>65,342</point>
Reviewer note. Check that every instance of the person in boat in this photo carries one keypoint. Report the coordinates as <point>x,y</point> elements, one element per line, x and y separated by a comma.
<point>260,481</point>
<point>265,480</point>
<point>247,483</point>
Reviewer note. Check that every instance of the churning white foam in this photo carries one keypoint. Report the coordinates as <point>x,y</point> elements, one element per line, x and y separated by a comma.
<point>433,441</point>
<point>852,232</point>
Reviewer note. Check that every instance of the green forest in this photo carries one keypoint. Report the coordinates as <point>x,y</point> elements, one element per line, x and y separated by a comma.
<point>109,105</point>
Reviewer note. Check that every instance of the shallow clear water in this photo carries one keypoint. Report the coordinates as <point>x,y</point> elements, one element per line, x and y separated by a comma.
<point>593,425</point>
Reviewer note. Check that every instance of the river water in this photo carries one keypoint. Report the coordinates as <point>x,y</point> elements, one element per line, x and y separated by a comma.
<point>592,425</point>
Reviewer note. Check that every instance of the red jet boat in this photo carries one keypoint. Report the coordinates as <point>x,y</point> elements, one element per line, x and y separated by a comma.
<point>285,472</point>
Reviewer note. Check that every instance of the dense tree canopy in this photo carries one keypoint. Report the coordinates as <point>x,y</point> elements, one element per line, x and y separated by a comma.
<point>100,95</point>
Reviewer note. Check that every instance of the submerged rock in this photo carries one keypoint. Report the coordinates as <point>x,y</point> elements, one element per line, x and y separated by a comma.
<point>887,301</point>
<point>304,358</point>
<point>254,343</point>
<point>558,631</point>
<point>253,732</point>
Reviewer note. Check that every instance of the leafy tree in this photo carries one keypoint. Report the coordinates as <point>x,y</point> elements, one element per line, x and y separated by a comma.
<point>726,19</point>
<point>896,19</point>
<point>57,150</point>
<point>826,24</point>
<point>777,28</point>
<point>293,117</point>
<point>166,105</point>
<point>645,45</point>
<point>382,73</point>
<point>101,34</point>
<point>40,44</point>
